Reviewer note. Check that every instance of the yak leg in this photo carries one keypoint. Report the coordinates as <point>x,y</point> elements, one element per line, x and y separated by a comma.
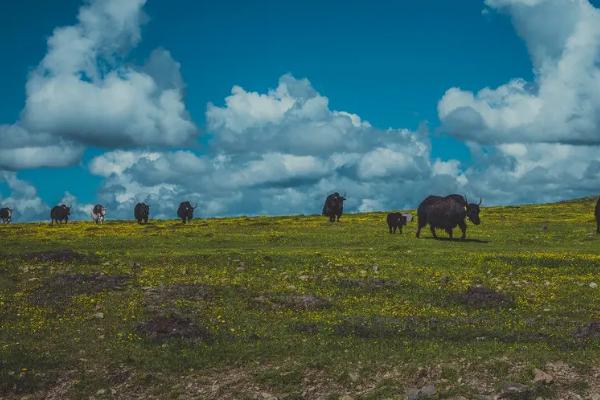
<point>463,227</point>
<point>400,228</point>
<point>390,227</point>
<point>598,227</point>
<point>433,231</point>
<point>419,230</point>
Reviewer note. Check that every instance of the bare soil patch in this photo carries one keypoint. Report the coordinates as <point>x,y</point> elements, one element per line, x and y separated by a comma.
<point>59,255</point>
<point>58,290</point>
<point>298,302</point>
<point>481,296</point>
<point>163,327</point>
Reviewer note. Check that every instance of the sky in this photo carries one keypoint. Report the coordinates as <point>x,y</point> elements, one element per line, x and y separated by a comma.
<point>266,107</point>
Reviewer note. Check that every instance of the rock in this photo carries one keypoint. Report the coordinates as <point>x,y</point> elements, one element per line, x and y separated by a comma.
<point>100,392</point>
<point>353,376</point>
<point>99,315</point>
<point>593,285</point>
<point>542,377</point>
<point>595,396</point>
<point>425,392</point>
<point>514,391</point>
<point>267,396</point>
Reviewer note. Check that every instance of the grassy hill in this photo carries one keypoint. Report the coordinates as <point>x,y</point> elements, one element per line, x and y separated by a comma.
<point>296,307</point>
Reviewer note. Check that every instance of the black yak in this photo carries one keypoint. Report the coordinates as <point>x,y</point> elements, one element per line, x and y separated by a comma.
<point>186,211</point>
<point>334,206</point>
<point>446,213</point>
<point>60,213</point>
<point>141,212</point>
<point>397,221</point>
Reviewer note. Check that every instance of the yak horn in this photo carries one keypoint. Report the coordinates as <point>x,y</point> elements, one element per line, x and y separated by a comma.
<point>480,201</point>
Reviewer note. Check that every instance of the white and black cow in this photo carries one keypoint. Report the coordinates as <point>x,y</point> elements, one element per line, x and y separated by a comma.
<point>6,215</point>
<point>98,213</point>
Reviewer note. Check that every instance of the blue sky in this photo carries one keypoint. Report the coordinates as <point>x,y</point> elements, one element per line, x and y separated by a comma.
<point>390,63</point>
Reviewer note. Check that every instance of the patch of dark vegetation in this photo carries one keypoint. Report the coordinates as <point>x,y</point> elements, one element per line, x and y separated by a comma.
<point>158,297</point>
<point>481,296</point>
<point>305,327</point>
<point>299,302</point>
<point>368,284</point>
<point>545,261</point>
<point>589,331</point>
<point>178,291</point>
<point>451,329</point>
<point>60,255</point>
<point>58,290</point>
<point>371,327</point>
<point>173,326</point>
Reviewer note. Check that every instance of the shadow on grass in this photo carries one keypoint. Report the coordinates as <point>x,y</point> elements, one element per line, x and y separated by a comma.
<point>458,240</point>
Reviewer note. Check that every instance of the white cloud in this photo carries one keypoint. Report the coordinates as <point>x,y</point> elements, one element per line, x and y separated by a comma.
<point>84,93</point>
<point>23,199</point>
<point>279,152</point>
<point>562,105</point>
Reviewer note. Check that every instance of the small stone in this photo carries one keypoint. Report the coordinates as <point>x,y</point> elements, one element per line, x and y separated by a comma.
<point>595,396</point>
<point>593,285</point>
<point>514,391</point>
<point>346,397</point>
<point>353,376</point>
<point>99,315</point>
<point>100,392</point>
<point>425,392</point>
<point>428,390</point>
<point>542,377</point>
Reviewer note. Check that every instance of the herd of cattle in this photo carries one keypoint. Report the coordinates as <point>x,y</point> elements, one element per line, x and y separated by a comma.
<point>438,212</point>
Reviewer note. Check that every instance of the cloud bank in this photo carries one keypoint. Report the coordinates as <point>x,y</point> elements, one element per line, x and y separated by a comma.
<point>84,93</point>
<point>283,150</point>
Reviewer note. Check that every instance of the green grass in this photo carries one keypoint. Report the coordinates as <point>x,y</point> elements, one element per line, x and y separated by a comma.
<point>392,314</point>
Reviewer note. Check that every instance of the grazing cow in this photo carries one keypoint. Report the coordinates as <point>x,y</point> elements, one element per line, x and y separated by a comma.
<point>395,221</point>
<point>597,212</point>
<point>98,213</point>
<point>60,213</point>
<point>6,215</point>
<point>141,213</point>
<point>334,206</point>
<point>447,213</point>
<point>186,211</point>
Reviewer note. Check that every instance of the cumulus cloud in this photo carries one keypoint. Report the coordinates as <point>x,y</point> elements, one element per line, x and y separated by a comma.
<point>562,104</point>
<point>84,93</point>
<point>278,152</point>
<point>23,199</point>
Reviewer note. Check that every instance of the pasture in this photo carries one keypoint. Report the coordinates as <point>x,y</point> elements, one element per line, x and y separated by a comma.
<point>299,308</point>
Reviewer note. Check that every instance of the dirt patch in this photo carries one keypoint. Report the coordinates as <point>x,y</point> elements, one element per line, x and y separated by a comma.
<point>292,301</point>
<point>156,298</point>
<point>60,255</point>
<point>481,296</point>
<point>305,327</point>
<point>163,327</point>
<point>588,331</point>
<point>372,327</point>
<point>368,284</point>
<point>177,291</point>
<point>58,290</point>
